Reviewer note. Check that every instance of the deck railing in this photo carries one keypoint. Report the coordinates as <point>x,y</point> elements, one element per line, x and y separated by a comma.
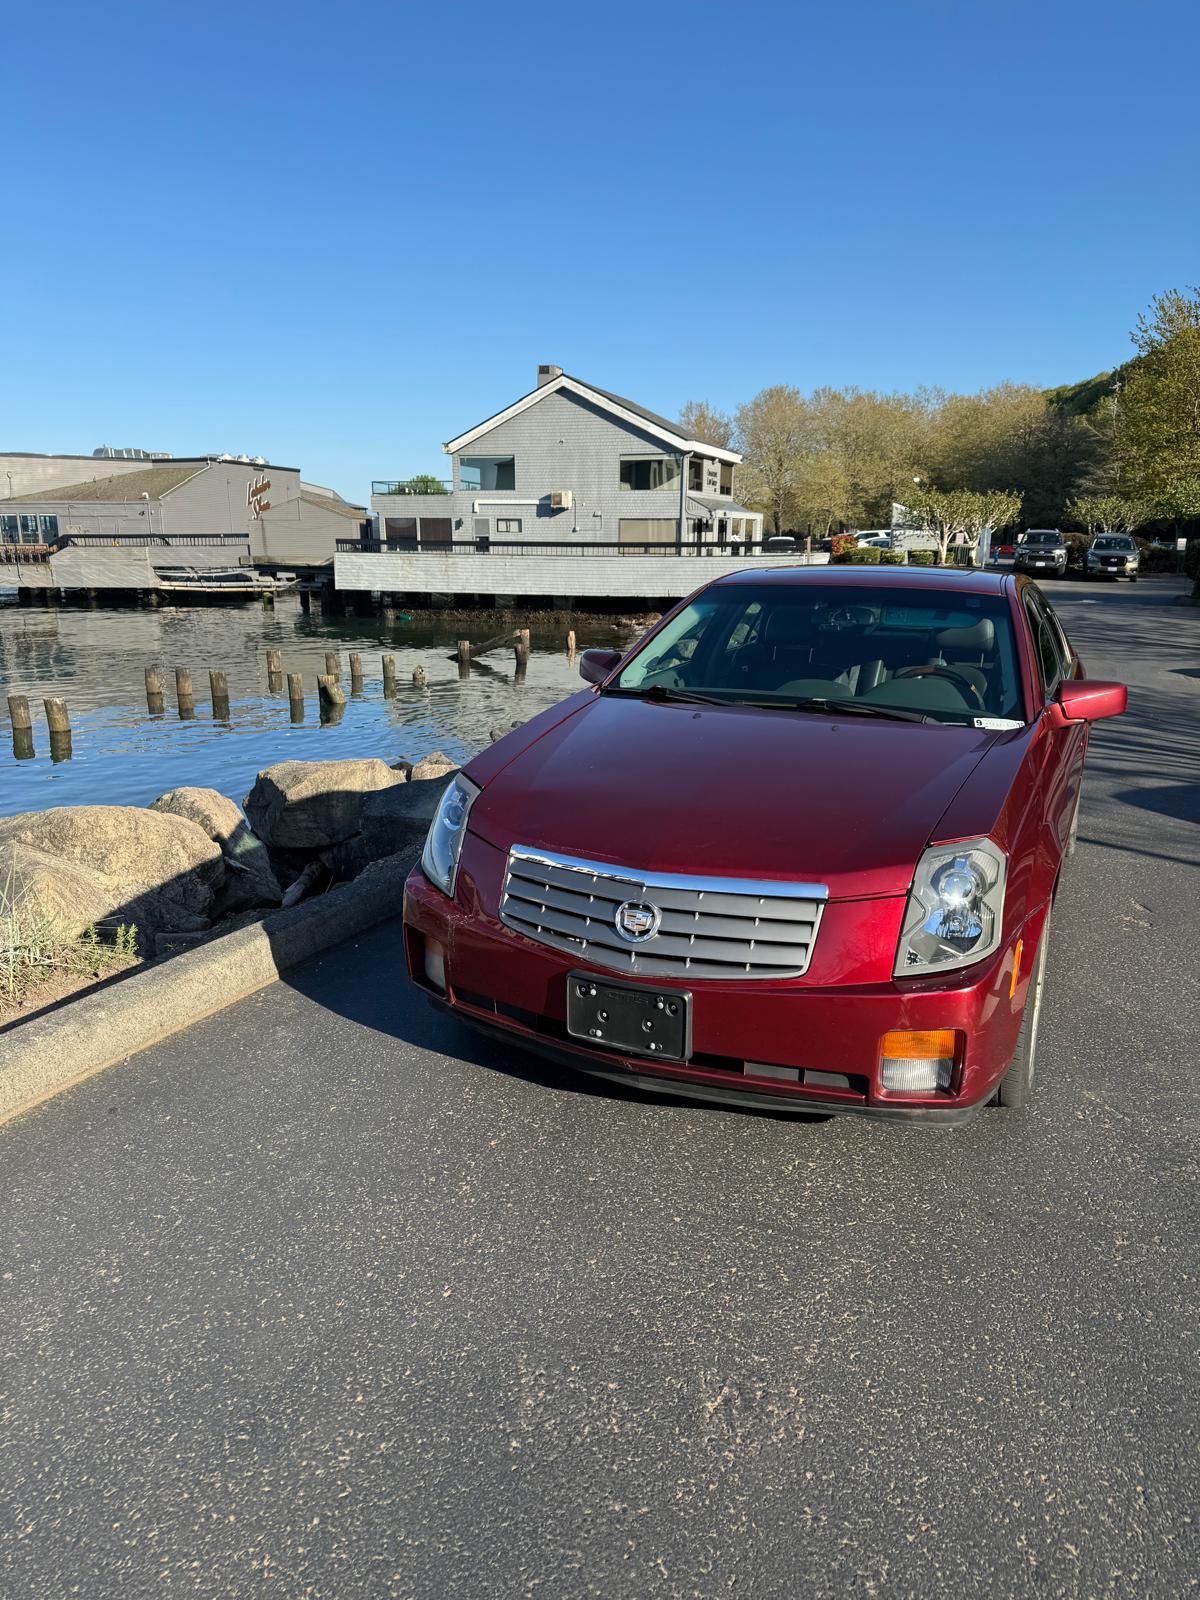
<point>557,547</point>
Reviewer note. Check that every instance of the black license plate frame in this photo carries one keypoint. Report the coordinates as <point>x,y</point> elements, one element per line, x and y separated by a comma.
<point>612,1016</point>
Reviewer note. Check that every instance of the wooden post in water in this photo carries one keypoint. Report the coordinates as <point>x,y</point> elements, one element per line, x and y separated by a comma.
<point>333,666</point>
<point>22,727</point>
<point>58,720</point>
<point>419,677</point>
<point>464,652</point>
<point>305,601</point>
<point>19,713</point>
<point>219,686</point>
<point>295,686</point>
<point>521,653</point>
<point>274,671</point>
<point>356,673</point>
<point>183,692</point>
<point>154,691</point>
<point>330,690</point>
<point>332,700</point>
<point>389,675</point>
<point>570,641</point>
<point>523,638</point>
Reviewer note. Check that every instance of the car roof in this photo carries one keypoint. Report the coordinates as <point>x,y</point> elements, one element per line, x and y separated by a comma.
<point>965,581</point>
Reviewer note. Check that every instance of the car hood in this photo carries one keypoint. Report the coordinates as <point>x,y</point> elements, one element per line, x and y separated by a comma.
<point>734,791</point>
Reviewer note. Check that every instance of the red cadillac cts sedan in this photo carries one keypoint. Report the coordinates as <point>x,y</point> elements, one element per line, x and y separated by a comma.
<point>797,848</point>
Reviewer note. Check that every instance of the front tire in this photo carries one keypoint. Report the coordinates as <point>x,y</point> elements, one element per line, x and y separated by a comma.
<point>1015,1089</point>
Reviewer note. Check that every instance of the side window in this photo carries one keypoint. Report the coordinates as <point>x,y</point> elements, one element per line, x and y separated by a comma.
<point>1046,639</point>
<point>1064,644</point>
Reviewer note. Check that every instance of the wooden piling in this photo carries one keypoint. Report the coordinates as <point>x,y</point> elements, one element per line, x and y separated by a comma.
<point>22,740</point>
<point>570,641</point>
<point>58,718</point>
<point>219,688</point>
<point>183,691</point>
<point>419,677</point>
<point>19,713</point>
<point>356,672</point>
<point>523,638</point>
<point>330,690</point>
<point>464,652</point>
<point>154,691</point>
<point>389,675</point>
<point>60,746</point>
<point>333,665</point>
<point>295,687</point>
<point>274,671</point>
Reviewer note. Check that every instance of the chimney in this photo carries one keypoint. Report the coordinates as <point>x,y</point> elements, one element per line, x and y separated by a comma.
<point>547,375</point>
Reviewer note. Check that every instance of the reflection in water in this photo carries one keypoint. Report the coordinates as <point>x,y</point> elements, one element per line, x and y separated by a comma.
<point>134,738</point>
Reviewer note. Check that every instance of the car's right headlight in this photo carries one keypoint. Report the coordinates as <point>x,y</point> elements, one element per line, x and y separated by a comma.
<point>444,841</point>
<point>955,908</point>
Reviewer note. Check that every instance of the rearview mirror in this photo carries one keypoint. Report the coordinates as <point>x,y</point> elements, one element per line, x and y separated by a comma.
<point>1089,700</point>
<point>595,665</point>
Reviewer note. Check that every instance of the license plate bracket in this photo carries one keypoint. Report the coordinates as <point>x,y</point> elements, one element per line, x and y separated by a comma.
<point>629,1019</point>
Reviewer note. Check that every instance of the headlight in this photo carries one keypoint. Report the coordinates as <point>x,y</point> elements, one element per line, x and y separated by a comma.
<point>443,843</point>
<point>955,908</point>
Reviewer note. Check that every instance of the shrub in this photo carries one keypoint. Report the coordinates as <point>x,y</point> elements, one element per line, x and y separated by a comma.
<point>922,558</point>
<point>1156,559</point>
<point>891,558</point>
<point>1191,561</point>
<point>840,543</point>
<point>867,556</point>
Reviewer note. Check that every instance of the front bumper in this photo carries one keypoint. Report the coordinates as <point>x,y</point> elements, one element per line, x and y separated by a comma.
<point>743,1034</point>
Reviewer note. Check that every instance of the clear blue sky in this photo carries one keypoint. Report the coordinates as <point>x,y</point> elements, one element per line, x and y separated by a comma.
<point>336,235</point>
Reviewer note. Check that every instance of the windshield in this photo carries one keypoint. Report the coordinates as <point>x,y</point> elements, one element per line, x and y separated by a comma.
<point>1113,542</point>
<point>949,657</point>
<point>1044,539</point>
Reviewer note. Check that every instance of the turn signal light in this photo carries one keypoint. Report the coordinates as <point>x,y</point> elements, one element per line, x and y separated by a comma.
<point>918,1060</point>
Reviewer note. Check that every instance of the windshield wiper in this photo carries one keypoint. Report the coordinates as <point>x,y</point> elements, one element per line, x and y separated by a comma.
<point>659,691</point>
<point>856,708</point>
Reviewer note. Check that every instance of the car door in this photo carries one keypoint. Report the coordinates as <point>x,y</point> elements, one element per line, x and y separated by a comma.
<point>1063,747</point>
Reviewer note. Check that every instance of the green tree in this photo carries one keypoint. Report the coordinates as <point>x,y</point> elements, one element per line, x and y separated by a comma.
<point>959,516</point>
<point>1109,513</point>
<point>423,483</point>
<point>1158,414</point>
<point>772,436</point>
<point>702,421</point>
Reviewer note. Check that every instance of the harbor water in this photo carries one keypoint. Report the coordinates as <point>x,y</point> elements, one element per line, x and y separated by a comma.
<point>121,753</point>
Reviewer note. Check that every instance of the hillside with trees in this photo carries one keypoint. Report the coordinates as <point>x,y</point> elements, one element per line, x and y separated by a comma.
<point>1119,450</point>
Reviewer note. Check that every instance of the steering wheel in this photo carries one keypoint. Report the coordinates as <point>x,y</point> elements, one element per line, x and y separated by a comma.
<point>958,679</point>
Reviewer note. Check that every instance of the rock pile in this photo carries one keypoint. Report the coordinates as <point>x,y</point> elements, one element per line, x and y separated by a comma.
<point>192,859</point>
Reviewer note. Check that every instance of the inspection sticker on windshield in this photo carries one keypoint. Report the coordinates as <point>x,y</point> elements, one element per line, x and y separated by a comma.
<point>997,724</point>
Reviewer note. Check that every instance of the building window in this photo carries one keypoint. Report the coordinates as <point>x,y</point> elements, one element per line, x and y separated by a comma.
<point>487,472</point>
<point>509,527</point>
<point>29,528</point>
<point>436,531</point>
<point>399,531</point>
<point>647,531</point>
<point>49,529</point>
<point>649,472</point>
<point>696,474</point>
<point>8,529</point>
<point>726,486</point>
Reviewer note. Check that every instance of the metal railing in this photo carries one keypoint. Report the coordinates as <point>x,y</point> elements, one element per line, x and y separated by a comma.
<point>404,486</point>
<point>13,554</point>
<point>138,541</point>
<point>557,547</point>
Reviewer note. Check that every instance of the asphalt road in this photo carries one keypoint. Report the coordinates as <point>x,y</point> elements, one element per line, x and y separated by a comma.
<point>326,1298</point>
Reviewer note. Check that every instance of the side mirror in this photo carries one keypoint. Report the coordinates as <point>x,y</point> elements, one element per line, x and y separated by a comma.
<point>1090,700</point>
<point>595,665</point>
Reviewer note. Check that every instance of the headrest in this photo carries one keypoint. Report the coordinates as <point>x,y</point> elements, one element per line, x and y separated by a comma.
<point>789,625</point>
<point>979,638</point>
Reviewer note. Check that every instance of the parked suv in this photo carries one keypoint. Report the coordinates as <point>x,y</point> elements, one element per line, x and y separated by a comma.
<point>682,877</point>
<point>1113,555</point>
<point>1043,552</point>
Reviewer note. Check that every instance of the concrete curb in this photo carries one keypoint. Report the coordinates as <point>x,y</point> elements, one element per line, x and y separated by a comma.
<point>45,1055</point>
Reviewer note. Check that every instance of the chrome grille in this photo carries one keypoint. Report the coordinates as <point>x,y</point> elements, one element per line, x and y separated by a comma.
<point>709,928</point>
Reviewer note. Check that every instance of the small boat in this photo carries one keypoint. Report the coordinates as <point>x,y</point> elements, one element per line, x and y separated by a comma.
<point>224,582</point>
